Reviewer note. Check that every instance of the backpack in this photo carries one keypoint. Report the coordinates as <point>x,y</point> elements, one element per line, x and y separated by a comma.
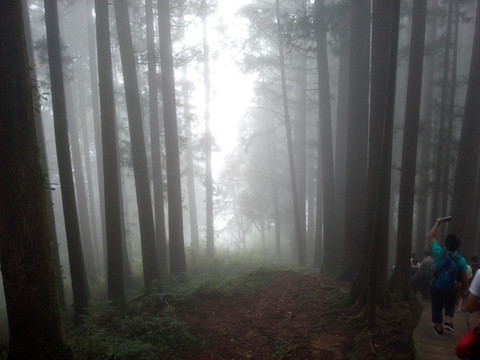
<point>446,274</point>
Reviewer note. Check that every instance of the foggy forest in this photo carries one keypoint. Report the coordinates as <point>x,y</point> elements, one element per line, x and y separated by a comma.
<point>220,179</point>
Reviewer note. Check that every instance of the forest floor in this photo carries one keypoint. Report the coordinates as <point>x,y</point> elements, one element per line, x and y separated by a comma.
<point>294,316</point>
<point>256,315</point>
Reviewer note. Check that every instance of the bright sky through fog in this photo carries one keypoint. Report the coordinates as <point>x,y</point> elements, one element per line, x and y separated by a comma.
<point>231,90</point>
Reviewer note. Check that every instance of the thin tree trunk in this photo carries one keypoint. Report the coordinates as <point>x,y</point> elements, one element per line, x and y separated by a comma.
<point>113,212</point>
<point>299,231</point>
<point>139,156</point>
<point>440,149</point>
<point>192,198</point>
<point>175,217</point>
<point>331,253</point>
<point>81,191</point>
<point>72,227</point>
<point>402,282</point>
<point>208,140</point>
<point>423,167</point>
<point>157,175</point>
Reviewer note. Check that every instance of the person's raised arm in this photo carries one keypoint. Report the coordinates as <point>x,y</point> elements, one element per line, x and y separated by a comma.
<point>433,231</point>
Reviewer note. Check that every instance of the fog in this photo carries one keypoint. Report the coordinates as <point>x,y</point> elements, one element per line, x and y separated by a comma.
<point>248,109</point>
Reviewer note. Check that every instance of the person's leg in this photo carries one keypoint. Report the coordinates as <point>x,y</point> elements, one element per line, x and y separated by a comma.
<point>450,300</point>
<point>437,307</point>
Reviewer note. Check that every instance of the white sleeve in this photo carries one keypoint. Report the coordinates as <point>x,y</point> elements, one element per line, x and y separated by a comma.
<point>475,285</point>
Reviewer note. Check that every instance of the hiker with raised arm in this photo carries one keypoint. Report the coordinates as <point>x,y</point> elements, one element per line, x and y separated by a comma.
<point>450,268</point>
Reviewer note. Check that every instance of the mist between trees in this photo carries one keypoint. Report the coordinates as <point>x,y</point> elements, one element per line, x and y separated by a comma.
<point>344,149</point>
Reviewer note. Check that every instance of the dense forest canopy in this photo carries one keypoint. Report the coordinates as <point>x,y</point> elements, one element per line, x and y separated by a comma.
<point>173,133</point>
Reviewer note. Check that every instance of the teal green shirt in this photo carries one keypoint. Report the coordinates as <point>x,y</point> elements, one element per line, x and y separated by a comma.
<point>436,250</point>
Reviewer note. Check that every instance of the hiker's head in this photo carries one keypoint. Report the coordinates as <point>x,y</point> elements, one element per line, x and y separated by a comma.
<point>452,242</point>
<point>427,253</point>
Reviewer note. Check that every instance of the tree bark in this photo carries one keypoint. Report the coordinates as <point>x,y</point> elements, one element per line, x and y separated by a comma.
<point>157,174</point>
<point>137,139</point>
<point>34,319</point>
<point>44,160</point>
<point>465,175</point>
<point>357,137</point>
<point>72,227</point>
<point>331,253</point>
<point>175,217</point>
<point>401,283</point>
<point>113,210</point>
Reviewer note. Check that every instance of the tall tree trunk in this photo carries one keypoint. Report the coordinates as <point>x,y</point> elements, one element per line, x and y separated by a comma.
<point>299,231</point>
<point>440,153</point>
<point>113,210</point>
<point>92,56</point>
<point>272,159</point>
<point>385,29</point>
<point>175,217</point>
<point>357,137</point>
<point>423,167</point>
<point>401,283</point>
<point>157,175</point>
<point>34,319</point>
<point>208,140</point>
<point>44,160</point>
<point>450,116</point>
<point>465,174</point>
<point>300,135</point>
<point>331,251</point>
<point>192,198</point>
<point>341,135</point>
<point>72,227</point>
<point>139,156</point>
<point>81,191</point>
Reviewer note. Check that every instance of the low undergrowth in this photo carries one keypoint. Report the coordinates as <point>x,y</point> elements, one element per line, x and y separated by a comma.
<point>149,328</point>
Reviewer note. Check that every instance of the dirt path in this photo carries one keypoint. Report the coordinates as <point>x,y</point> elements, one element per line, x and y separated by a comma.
<point>431,346</point>
<point>295,316</point>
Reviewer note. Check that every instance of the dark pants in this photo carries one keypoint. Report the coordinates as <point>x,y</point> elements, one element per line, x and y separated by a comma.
<point>442,299</point>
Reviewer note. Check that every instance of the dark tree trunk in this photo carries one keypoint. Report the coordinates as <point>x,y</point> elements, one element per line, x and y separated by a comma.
<point>357,137</point>
<point>331,251</point>
<point>425,140</point>
<point>113,212</point>
<point>157,174</point>
<point>465,174</point>
<point>385,28</point>
<point>34,319</point>
<point>401,283</point>
<point>44,161</point>
<point>72,227</point>
<point>175,217</point>
<point>139,156</point>
<point>440,154</point>
<point>300,135</point>
<point>341,135</point>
